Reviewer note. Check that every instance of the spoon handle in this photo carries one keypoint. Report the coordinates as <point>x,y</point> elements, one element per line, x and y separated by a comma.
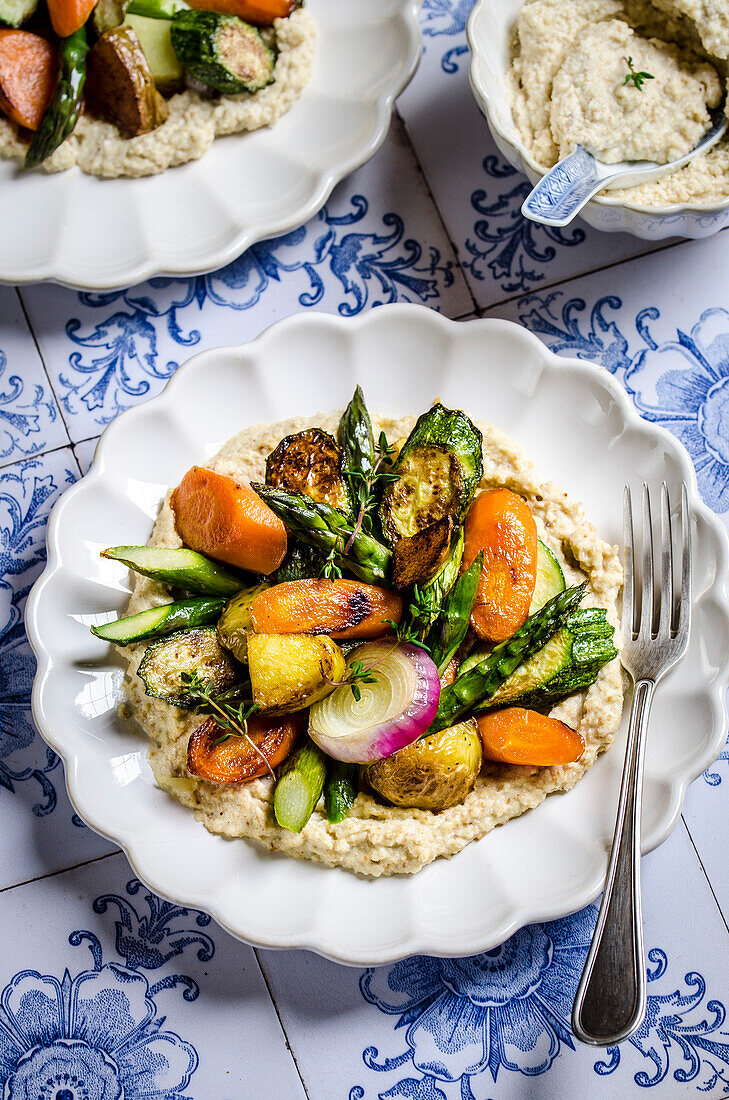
<point>565,189</point>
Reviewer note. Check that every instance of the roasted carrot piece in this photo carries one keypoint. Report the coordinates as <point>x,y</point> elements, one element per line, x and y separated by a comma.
<point>28,69</point>
<point>223,518</point>
<point>260,12</point>
<point>341,609</point>
<point>518,736</point>
<point>500,523</point>
<point>240,759</point>
<point>68,16</point>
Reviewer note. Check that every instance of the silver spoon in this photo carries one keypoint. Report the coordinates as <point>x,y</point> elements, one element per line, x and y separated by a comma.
<point>567,187</point>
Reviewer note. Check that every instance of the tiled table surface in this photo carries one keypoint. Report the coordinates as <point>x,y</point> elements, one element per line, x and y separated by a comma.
<point>106,987</point>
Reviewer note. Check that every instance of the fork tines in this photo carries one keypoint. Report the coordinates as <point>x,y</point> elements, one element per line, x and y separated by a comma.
<point>657,602</point>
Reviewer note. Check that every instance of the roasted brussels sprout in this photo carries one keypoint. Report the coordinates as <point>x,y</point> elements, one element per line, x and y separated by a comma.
<point>235,624</point>
<point>310,462</point>
<point>433,773</point>
<point>292,671</point>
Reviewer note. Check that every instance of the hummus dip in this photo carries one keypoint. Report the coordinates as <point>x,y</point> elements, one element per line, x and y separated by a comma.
<point>568,86</point>
<point>377,839</point>
<point>99,149</point>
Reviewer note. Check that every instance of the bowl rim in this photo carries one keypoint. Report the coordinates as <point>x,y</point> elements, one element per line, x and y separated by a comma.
<point>421,943</point>
<point>486,103</point>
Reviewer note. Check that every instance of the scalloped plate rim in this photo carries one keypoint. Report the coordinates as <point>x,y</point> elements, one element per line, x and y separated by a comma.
<point>483,940</point>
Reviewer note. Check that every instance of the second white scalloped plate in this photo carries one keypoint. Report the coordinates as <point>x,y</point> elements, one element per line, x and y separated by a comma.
<point>97,234</point>
<point>576,423</point>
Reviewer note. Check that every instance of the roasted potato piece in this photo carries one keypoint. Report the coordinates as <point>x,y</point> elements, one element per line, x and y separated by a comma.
<point>292,671</point>
<point>220,759</point>
<point>417,557</point>
<point>433,773</point>
<point>120,86</point>
<point>235,624</point>
<point>309,462</point>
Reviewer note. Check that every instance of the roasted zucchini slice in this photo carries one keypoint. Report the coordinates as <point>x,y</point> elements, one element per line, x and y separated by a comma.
<point>222,51</point>
<point>419,557</point>
<point>301,562</point>
<point>439,467</point>
<point>311,463</point>
<point>164,662</point>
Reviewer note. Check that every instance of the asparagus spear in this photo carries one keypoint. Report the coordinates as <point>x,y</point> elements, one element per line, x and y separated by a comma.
<point>471,692</point>
<point>356,441</point>
<point>182,568</point>
<point>450,628</point>
<point>325,528</point>
<point>157,622</point>
<point>340,790</point>
<point>61,114</point>
<point>299,786</point>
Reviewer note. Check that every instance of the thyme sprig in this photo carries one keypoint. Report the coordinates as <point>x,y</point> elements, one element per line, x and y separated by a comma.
<point>367,486</point>
<point>232,718</point>
<point>330,568</point>
<point>421,615</point>
<point>637,79</point>
<point>357,673</point>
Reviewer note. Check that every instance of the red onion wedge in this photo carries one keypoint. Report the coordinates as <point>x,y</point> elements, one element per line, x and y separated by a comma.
<point>392,712</point>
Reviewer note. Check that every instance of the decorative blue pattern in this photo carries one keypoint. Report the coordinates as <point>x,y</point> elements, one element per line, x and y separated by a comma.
<point>119,362</point>
<point>23,410</point>
<point>98,1036</point>
<point>509,1010</point>
<point>447,18</point>
<point>505,242</point>
<point>25,496</point>
<point>681,384</point>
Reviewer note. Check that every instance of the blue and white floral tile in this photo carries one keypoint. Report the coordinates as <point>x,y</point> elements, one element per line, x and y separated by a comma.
<point>85,451</point>
<point>478,193</point>
<point>111,992</point>
<point>29,417</point>
<point>497,1024</point>
<point>40,832</point>
<point>661,325</point>
<point>378,240</point>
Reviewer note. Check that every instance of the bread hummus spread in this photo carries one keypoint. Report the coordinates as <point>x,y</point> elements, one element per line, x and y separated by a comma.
<point>99,149</point>
<point>626,80</point>
<point>377,839</point>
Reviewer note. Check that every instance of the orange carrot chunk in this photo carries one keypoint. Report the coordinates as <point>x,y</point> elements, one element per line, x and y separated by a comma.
<point>260,12</point>
<point>68,16</point>
<point>341,609</point>
<point>223,518</point>
<point>518,736</point>
<point>500,523</point>
<point>212,756</point>
<point>28,70</point>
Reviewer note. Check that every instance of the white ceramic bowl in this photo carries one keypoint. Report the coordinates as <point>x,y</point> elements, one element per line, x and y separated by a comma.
<point>489,32</point>
<point>569,416</point>
<point>99,234</point>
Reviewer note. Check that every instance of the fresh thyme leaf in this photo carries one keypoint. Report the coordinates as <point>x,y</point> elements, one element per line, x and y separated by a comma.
<point>330,569</point>
<point>637,79</point>
<point>368,484</point>
<point>229,716</point>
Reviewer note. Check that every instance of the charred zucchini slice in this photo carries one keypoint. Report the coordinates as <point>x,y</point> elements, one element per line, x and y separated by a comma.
<point>164,662</point>
<point>419,557</point>
<point>311,463</point>
<point>222,51</point>
<point>439,467</point>
<point>301,561</point>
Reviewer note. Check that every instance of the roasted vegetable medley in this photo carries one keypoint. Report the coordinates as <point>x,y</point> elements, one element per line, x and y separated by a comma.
<point>370,616</point>
<point>121,59</point>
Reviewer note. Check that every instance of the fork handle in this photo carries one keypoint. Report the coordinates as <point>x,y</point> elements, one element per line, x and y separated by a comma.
<point>611,997</point>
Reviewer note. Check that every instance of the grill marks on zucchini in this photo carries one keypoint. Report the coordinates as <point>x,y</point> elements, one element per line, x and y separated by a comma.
<point>310,462</point>
<point>164,662</point>
<point>439,467</point>
<point>222,51</point>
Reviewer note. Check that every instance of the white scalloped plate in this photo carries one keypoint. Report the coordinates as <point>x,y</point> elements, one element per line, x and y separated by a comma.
<point>97,234</point>
<point>570,417</point>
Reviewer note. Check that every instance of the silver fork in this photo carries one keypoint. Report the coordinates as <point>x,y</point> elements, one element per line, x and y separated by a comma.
<point>611,998</point>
